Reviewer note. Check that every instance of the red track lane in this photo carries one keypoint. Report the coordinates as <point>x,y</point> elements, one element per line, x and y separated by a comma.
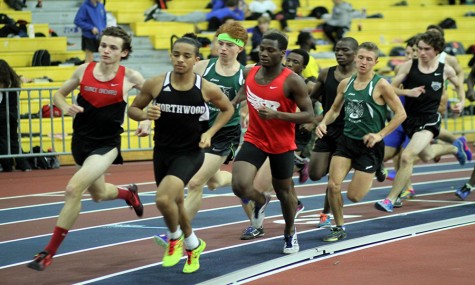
<point>445,257</point>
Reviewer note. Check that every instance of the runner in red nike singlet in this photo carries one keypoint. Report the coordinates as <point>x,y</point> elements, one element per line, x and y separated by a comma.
<point>273,94</point>
<point>272,136</point>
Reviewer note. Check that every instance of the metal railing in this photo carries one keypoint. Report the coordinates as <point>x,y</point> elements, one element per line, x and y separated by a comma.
<point>463,124</point>
<point>52,133</point>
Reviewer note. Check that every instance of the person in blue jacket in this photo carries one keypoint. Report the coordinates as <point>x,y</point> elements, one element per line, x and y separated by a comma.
<point>216,17</point>
<point>217,4</point>
<point>91,18</point>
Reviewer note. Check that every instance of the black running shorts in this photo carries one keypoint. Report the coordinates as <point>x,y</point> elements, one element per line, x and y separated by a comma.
<point>281,165</point>
<point>83,148</point>
<point>225,142</point>
<point>363,158</point>
<point>182,165</point>
<point>329,141</point>
<point>415,124</point>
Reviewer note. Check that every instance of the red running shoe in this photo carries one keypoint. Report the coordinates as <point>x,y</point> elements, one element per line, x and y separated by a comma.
<point>134,202</point>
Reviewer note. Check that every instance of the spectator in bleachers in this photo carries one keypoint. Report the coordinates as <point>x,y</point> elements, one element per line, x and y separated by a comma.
<point>263,24</point>
<point>91,18</point>
<point>338,22</point>
<point>159,5</point>
<point>214,18</point>
<point>9,101</point>
<point>39,4</point>
<point>289,12</point>
<point>462,2</point>
<point>216,4</point>
<point>234,9</point>
<point>257,8</point>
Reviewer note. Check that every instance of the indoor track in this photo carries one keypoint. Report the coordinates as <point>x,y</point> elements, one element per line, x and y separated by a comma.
<point>430,237</point>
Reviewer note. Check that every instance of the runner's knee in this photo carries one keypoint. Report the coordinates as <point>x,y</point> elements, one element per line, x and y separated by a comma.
<point>195,184</point>
<point>240,187</point>
<point>334,188</point>
<point>354,197</point>
<point>73,192</point>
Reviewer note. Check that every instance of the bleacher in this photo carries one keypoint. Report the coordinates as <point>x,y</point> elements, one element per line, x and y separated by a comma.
<point>57,73</point>
<point>397,25</point>
<point>396,19</point>
<point>15,15</point>
<point>24,59</point>
<point>18,51</point>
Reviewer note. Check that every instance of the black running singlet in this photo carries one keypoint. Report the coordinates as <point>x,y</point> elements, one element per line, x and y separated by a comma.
<point>330,89</point>
<point>427,103</point>
<point>184,117</point>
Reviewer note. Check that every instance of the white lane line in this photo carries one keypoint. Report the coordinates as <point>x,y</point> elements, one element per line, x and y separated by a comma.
<point>214,226</point>
<point>302,185</point>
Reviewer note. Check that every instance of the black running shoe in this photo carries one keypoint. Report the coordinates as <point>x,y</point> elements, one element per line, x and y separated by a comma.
<point>41,261</point>
<point>337,234</point>
<point>381,174</point>
<point>463,191</point>
<point>252,233</point>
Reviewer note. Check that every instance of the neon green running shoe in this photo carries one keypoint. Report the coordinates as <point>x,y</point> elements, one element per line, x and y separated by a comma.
<point>408,194</point>
<point>173,252</point>
<point>193,261</point>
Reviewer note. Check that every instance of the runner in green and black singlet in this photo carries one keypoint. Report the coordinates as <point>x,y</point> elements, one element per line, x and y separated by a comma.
<point>364,97</point>
<point>230,85</point>
<point>362,114</point>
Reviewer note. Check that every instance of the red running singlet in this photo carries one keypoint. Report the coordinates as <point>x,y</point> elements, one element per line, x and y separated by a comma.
<point>272,136</point>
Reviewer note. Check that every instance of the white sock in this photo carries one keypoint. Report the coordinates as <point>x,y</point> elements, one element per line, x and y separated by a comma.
<point>175,235</point>
<point>192,241</point>
<point>254,223</point>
